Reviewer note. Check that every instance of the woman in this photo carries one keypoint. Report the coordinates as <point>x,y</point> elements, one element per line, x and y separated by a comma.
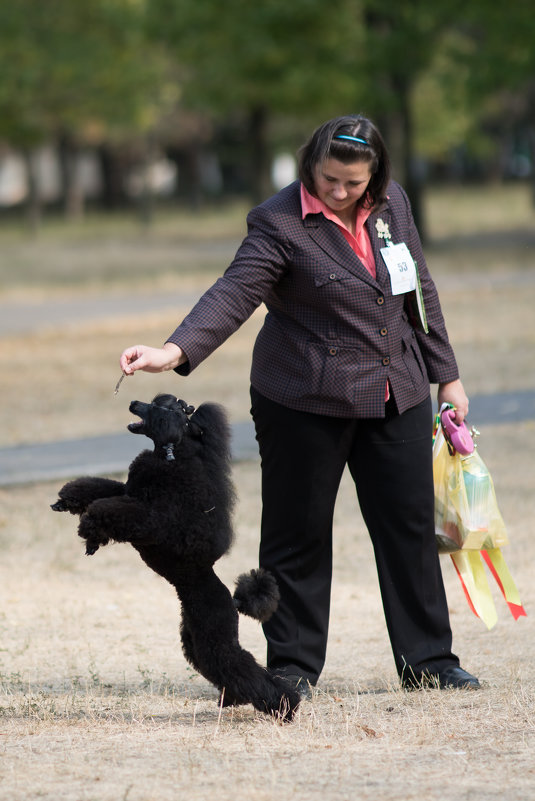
<point>340,376</point>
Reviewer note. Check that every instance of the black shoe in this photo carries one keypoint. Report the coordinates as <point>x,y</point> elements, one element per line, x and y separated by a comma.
<point>456,678</point>
<point>452,677</point>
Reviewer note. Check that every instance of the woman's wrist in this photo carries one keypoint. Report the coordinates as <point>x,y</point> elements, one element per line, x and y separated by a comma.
<point>177,355</point>
<point>453,392</point>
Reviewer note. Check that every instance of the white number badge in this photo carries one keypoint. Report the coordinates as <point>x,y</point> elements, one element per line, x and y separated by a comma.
<point>401,267</point>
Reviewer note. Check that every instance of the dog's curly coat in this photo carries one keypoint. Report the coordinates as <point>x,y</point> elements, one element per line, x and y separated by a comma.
<point>175,509</point>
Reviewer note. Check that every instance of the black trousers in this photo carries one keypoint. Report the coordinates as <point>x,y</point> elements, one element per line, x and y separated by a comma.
<point>303,457</point>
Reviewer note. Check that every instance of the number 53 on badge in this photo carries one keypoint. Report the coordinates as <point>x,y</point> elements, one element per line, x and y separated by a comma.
<point>401,267</point>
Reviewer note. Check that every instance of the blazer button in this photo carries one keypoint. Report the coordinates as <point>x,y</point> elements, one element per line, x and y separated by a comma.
<point>384,332</point>
<point>333,351</point>
<point>380,300</point>
<point>386,361</point>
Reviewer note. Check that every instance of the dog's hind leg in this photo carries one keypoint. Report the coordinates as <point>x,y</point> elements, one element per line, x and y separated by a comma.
<point>249,682</point>
<point>211,645</point>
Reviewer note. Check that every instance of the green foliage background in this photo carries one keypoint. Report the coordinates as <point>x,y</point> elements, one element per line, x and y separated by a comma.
<point>435,76</point>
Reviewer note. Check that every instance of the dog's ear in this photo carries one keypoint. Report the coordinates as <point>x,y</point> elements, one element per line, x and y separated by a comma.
<point>212,420</point>
<point>195,429</point>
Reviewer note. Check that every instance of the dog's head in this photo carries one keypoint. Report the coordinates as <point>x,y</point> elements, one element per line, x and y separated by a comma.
<point>165,421</point>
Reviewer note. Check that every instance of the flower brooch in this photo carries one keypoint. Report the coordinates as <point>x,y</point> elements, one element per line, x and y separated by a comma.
<point>383,231</point>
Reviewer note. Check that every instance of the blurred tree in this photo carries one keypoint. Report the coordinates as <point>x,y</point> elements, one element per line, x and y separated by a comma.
<point>444,115</point>
<point>106,72</point>
<point>479,88</point>
<point>269,58</point>
<point>400,43</point>
<point>501,69</point>
<point>307,59</point>
<point>76,73</point>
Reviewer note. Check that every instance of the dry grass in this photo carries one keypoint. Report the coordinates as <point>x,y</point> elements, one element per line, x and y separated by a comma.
<point>96,699</point>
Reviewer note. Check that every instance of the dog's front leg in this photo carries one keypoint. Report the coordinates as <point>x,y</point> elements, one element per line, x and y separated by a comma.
<point>75,496</point>
<point>121,519</point>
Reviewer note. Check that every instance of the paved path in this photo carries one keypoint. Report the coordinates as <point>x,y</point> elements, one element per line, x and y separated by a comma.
<point>24,464</point>
<point>113,453</point>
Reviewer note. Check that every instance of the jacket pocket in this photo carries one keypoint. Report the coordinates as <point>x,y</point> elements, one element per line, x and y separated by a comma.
<point>331,278</point>
<point>413,360</point>
<point>330,372</point>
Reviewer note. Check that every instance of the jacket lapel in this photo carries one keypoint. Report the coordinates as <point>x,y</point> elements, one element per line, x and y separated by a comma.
<point>327,236</point>
<point>378,243</point>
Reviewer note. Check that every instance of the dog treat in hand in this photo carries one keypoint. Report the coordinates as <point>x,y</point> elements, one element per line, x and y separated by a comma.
<point>118,384</point>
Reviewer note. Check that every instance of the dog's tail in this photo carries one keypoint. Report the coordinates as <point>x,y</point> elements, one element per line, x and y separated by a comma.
<point>256,594</point>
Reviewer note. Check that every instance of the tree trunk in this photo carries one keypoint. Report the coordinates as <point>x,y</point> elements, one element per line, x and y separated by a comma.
<point>412,180</point>
<point>34,205</point>
<point>187,160</point>
<point>72,192</point>
<point>260,164</point>
<point>113,194</point>
<point>146,198</point>
<point>531,134</point>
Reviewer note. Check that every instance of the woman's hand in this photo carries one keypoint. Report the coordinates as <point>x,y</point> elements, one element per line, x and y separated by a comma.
<point>151,360</point>
<point>453,392</point>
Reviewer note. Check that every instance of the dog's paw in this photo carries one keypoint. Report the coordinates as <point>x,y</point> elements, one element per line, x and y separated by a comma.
<point>92,547</point>
<point>72,505</point>
<point>92,534</point>
<point>227,700</point>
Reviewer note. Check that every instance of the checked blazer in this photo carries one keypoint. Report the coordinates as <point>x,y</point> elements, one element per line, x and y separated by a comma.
<point>333,335</point>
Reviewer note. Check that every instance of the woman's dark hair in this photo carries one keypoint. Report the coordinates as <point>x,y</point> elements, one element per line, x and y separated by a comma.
<point>348,139</point>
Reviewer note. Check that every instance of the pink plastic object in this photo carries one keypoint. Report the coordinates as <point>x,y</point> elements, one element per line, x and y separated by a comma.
<point>458,435</point>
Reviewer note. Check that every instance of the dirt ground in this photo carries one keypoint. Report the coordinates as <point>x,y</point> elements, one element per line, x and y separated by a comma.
<point>96,700</point>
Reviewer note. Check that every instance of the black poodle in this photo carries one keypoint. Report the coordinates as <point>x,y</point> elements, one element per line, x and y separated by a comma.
<point>175,509</point>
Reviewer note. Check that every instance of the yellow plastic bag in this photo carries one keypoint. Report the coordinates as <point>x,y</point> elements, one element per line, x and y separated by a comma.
<point>469,527</point>
<point>466,509</point>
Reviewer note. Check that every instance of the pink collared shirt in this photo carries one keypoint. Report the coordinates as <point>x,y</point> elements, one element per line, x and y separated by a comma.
<point>360,243</point>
